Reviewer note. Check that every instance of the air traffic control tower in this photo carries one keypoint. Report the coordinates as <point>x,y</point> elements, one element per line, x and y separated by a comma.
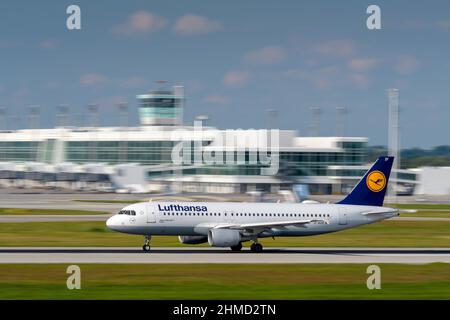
<point>162,107</point>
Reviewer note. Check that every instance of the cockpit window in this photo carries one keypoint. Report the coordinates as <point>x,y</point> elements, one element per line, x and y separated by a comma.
<point>128,212</point>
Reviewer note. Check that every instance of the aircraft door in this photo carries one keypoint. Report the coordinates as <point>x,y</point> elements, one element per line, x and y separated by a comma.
<point>342,216</point>
<point>151,213</point>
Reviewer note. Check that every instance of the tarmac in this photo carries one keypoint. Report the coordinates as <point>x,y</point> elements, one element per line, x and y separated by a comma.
<point>179,255</point>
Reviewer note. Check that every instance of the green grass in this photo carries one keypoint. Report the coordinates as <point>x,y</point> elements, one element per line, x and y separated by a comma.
<point>225,281</point>
<point>422,206</point>
<point>24,211</point>
<point>384,234</point>
<point>427,214</point>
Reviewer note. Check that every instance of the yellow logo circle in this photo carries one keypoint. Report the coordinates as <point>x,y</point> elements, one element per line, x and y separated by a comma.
<point>376,181</point>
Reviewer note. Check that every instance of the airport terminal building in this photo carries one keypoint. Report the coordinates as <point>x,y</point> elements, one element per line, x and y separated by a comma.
<point>140,158</point>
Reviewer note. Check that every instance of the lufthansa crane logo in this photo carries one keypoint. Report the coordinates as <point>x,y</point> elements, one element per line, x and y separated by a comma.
<point>376,181</point>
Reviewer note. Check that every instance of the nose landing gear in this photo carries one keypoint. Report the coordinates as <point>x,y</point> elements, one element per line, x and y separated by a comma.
<point>146,246</point>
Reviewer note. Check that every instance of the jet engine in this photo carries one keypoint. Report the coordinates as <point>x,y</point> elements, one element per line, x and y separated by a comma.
<point>223,237</point>
<point>192,239</point>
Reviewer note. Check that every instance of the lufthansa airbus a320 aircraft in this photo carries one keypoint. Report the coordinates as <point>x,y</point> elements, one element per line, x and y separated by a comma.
<point>224,224</point>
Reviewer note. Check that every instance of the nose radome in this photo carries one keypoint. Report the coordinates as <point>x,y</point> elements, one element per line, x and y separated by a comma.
<point>110,222</point>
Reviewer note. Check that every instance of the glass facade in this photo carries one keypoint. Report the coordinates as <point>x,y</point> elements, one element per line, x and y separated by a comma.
<point>291,164</point>
<point>170,113</point>
<point>295,163</point>
<point>113,152</point>
<point>316,163</point>
<point>160,108</point>
<point>407,176</point>
<point>19,150</point>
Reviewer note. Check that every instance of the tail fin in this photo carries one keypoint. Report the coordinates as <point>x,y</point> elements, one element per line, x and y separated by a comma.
<point>371,189</point>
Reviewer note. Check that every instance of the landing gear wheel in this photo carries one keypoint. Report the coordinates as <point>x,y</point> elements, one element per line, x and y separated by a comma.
<point>256,247</point>
<point>237,247</point>
<point>146,246</point>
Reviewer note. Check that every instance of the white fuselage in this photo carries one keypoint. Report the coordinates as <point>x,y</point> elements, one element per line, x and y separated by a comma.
<point>196,218</point>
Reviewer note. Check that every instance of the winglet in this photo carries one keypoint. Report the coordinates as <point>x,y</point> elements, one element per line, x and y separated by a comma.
<point>371,189</point>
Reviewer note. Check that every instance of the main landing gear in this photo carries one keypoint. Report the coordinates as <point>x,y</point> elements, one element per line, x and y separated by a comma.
<point>146,246</point>
<point>256,247</point>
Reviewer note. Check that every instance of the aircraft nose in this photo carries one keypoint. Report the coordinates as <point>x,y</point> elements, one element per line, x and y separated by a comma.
<point>111,223</point>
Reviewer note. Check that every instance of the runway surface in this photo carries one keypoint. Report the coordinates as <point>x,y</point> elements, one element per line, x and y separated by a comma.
<point>214,255</point>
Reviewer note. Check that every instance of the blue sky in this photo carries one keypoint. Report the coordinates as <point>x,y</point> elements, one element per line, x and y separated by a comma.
<point>237,59</point>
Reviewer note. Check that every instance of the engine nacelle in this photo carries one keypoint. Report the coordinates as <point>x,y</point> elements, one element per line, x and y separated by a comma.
<point>193,239</point>
<point>223,237</point>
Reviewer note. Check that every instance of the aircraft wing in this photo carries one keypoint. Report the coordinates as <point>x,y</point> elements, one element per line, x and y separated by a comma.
<point>262,226</point>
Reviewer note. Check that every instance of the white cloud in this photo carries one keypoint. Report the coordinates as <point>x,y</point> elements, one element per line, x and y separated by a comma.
<point>92,79</point>
<point>267,55</point>
<point>236,78</point>
<point>216,99</point>
<point>329,77</point>
<point>191,24</point>
<point>339,48</point>
<point>406,65</point>
<point>140,22</point>
<point>362,64</point>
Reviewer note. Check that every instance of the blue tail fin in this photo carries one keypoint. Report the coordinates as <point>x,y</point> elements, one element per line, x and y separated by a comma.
<point>371,189</point>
